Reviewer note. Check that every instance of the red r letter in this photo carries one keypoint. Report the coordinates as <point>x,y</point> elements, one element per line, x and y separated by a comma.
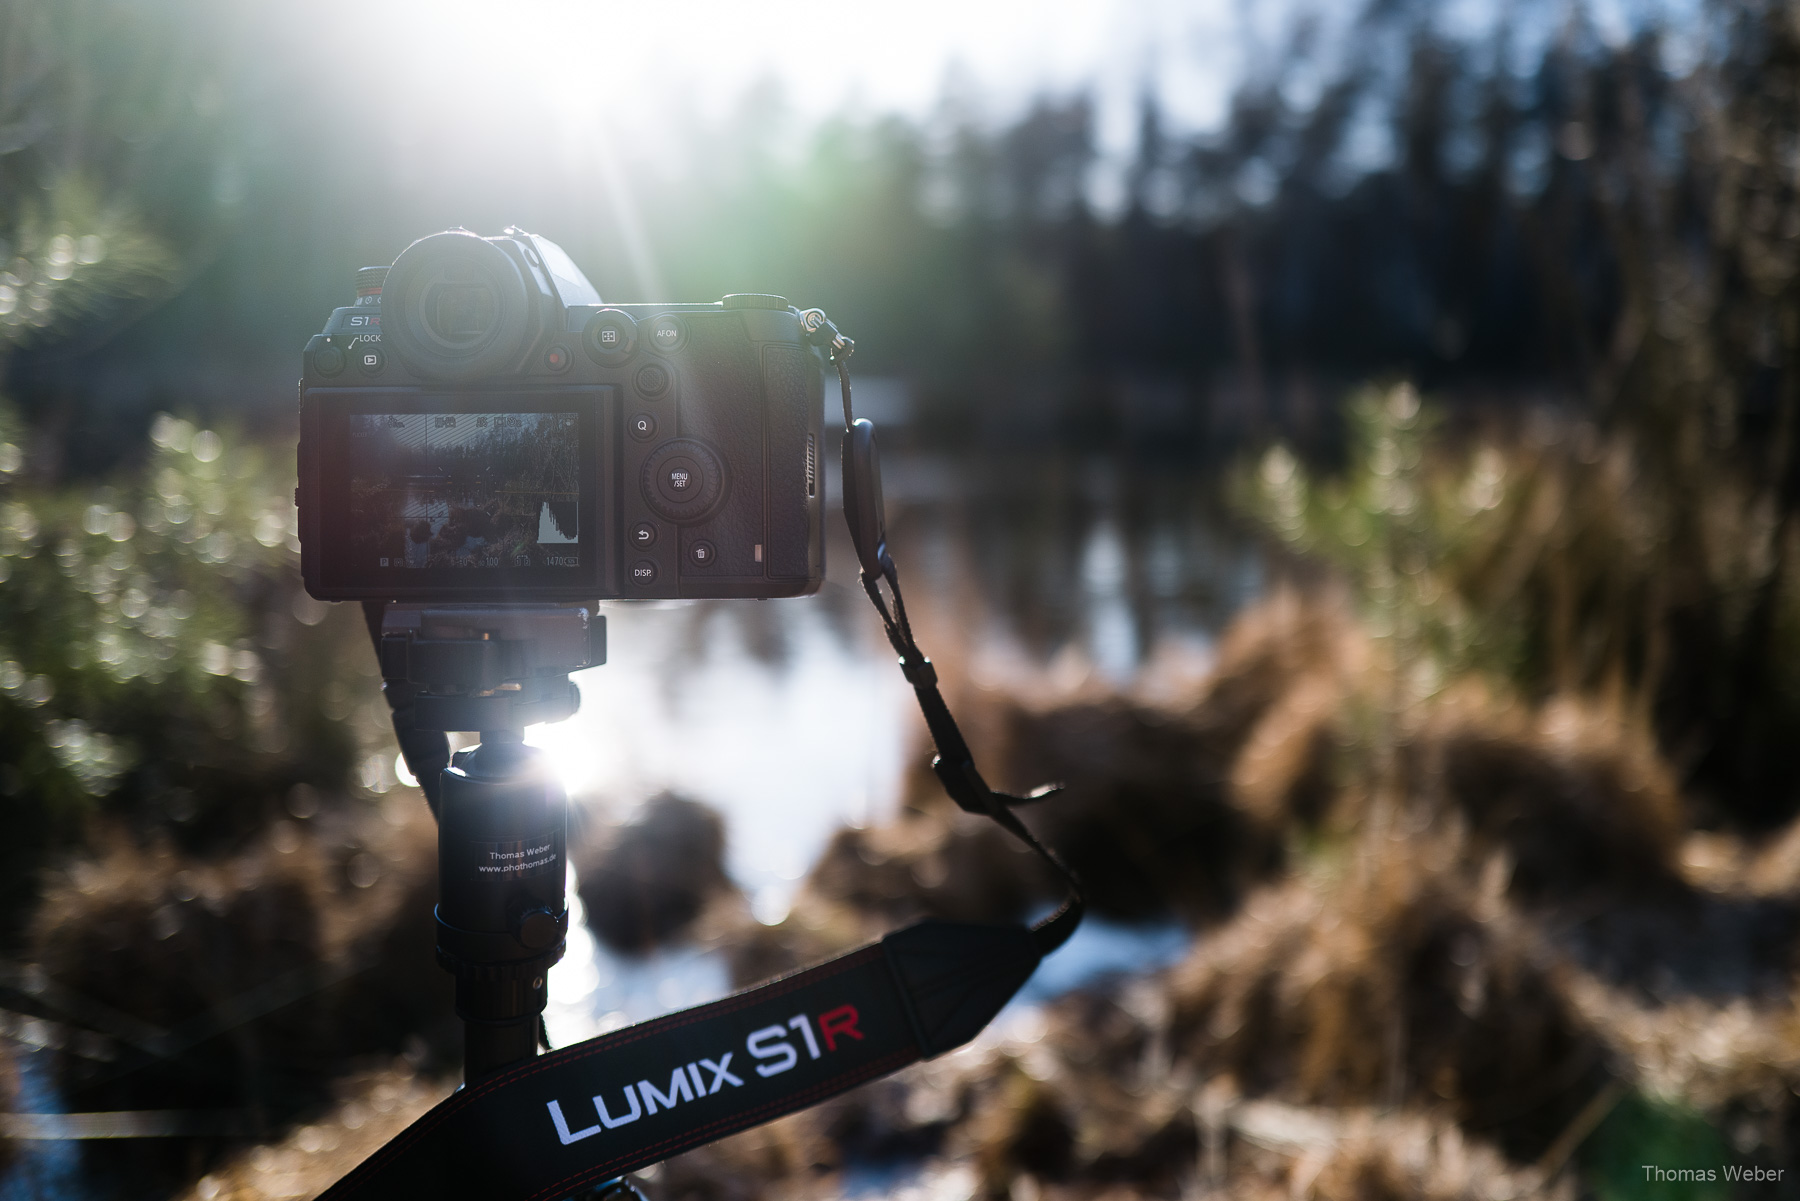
<point>841,1020</point>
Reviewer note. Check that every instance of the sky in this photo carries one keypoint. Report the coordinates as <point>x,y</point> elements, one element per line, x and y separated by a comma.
<point>650,64</point>
<point>646,76</point>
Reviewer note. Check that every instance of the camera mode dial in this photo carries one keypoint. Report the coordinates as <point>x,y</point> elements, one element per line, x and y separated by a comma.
<point>684,481</point>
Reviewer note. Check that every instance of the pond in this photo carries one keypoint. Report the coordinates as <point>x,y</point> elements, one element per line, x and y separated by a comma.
<point>791,720</point>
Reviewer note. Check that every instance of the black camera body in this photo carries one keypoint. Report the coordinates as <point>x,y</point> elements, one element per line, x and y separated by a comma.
<point>480,427</point>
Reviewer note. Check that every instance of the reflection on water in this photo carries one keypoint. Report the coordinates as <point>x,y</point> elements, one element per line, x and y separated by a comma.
<point>1099,949</point>
<point>786,750</point>
<point>789,718</point>
<point>45,1169</point>
<point>593,990</point>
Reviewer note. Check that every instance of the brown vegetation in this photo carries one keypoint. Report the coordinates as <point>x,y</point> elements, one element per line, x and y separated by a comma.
<point>646,881</point>
<point>1430,974</point>
<point>247,983</point>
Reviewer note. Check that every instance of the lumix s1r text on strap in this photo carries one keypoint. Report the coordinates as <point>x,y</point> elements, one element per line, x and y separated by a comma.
<point>579,1116</point>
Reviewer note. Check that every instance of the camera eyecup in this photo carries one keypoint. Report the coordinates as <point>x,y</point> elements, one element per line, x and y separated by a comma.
<point>455,307</point>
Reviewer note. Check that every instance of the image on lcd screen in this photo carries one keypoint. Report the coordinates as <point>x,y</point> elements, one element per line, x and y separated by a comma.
<point>464,490</point>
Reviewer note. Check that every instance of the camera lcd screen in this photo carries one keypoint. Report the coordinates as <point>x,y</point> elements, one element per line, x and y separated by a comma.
<point>456,495</point>
<point>461,491</point>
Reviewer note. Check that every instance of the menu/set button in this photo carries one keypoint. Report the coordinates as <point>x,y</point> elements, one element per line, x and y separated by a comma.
<point>643,573</point>
<point>679,479</point>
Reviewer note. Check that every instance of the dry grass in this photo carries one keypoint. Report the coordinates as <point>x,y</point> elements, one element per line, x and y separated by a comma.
<point>1574,792</point>
<point>1491,932</point>
<point>248,983</point>
<point>1420,974</point>
<point>1399,984</point>
<point>646,882</point>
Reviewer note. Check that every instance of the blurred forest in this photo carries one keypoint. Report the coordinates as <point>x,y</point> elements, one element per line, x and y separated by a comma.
<point>1491,339</point>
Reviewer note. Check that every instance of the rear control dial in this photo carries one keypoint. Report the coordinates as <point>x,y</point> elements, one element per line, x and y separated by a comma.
<point>683,481</point>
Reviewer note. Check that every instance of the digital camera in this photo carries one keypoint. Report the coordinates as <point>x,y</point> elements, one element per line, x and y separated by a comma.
<point>480,427</point>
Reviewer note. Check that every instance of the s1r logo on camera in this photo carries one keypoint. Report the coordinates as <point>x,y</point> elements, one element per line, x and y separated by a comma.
<point>703,1078</point>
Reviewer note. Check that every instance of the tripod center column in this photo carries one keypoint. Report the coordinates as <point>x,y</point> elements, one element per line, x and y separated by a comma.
<point>502,914</point>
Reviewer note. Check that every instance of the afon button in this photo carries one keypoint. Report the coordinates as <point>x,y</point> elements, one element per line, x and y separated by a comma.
<point>667,333</point>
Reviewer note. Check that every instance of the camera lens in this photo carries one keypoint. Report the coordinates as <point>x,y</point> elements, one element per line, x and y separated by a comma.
<point>455,307</point>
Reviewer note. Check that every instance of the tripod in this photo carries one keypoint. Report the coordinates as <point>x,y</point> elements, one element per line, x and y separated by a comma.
<point>502,816</point>
<point>502,915</point>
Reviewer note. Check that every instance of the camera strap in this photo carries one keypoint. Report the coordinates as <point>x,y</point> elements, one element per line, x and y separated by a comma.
<point>576,1117</point>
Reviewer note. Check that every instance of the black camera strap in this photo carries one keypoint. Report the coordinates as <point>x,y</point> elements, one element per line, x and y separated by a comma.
<point>569,1119</point>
